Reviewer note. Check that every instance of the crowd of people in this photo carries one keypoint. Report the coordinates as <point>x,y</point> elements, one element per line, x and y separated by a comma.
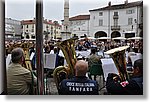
<point>19,79</point>
<point>48,46</point>
<point>135,46</point>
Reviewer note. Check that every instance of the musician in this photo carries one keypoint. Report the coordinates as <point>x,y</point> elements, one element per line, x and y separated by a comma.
<point>19,78</point>
<point>79,84</point>
<point>133,86</point>
<point>59,59</point>
<point>93,59</point>
<point>87,44</point>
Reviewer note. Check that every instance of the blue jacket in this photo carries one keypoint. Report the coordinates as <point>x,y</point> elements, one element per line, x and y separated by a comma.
<point>78,86</point>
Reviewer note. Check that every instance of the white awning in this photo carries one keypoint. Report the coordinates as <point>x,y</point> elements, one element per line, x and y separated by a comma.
<point>119,38</point>
<point>105,38</point>
<point>135,38</point>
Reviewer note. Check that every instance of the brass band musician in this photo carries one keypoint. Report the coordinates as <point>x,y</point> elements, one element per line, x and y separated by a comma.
<point>133,86</point>
<point>19,79</point>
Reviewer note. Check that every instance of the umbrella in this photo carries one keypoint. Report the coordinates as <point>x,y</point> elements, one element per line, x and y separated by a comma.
<point>119,38</point>
<point>29,39</point>
<point>81,38</point>
<point>91,38</point>
<point>135,38</point>
<point>103,38</point>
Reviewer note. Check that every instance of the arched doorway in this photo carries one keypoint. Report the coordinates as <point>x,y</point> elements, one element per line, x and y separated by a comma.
<point>100,34</point>
<point>115,34</point>
<point>141,34</point>
<point>27,36</point>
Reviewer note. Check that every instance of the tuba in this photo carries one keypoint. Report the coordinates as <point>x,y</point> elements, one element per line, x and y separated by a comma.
<point>25,46</point>
<point>27,63</point>
<point>64,72</point>
<point>118,56</point>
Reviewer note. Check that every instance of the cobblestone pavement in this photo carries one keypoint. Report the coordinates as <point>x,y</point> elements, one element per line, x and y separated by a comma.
<point>52,90</point>
<point>51,87</point>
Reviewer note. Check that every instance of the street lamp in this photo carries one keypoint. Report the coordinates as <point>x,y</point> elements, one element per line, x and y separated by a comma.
<point>14,35</point>
<point>51,32</point>
<point>46,36</point>
<point>13,30</point>
<point>55,22</point>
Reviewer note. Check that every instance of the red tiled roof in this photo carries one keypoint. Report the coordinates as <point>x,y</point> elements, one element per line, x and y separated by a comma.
<point>33,22</point>
<point>120,6</point>
<point>80,17</point>
<point>28,22</point>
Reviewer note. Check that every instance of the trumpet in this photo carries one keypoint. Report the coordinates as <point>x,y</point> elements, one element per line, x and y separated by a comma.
<point>118,56</point>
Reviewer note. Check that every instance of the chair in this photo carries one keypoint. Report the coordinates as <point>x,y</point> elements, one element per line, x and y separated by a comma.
<point>96,70</point>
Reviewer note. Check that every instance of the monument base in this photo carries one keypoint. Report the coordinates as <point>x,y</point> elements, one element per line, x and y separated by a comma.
<point>66,35</point>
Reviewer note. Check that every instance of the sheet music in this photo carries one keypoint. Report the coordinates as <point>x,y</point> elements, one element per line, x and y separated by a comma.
<point>135,57</point>
<point>8,60</point>
<point>52,52</point>
<point>49,61</point>
<point>106,55</point>
<point>32,55</point>
<point>83,53</point>
<point>61,53</point>
<point>100,53</point>
<point>65,62</point>
<point>108,66</point>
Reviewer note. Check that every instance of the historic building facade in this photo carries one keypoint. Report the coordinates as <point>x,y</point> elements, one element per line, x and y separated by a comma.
<point>79,25</point>
<point>51,29</point>
<point>122,20</point>
<point>12,29</point>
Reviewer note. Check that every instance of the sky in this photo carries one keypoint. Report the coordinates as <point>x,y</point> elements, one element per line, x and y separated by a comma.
<point>53,9</point>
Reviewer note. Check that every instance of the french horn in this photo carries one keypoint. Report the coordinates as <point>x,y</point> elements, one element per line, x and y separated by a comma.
<point>118,56</point>
<point>64,72</point>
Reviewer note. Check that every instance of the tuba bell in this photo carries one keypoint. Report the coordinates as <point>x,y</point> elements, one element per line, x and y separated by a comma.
<point>64,72</point>
<point>118,56</point>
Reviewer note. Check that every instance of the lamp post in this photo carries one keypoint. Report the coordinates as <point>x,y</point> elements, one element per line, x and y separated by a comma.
<point>46,34</point>
<point>55,22</point>
<point>13,30</point>
<point>51,32</point>
<point>14,36</point>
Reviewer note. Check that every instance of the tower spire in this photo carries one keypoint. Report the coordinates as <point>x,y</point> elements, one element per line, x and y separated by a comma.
<point>66,13</point>
<point>66,34</point>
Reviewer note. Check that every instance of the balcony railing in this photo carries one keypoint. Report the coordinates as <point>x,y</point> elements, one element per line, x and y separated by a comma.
<point>115,27</point>
<point>115,17</point>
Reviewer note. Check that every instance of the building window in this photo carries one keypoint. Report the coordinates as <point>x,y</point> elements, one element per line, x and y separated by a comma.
<point>71,23</point>
<point>115,13</point>
<point>100,13</point>
<point>27,26</point>
<point>130,21</point>
<point>33,26</point>
<point>79,29</point>
<point>93,17</point>
<point>115,22</point>
<point>32,30</point>
<point>130,11</point>
<point>100,22</point>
